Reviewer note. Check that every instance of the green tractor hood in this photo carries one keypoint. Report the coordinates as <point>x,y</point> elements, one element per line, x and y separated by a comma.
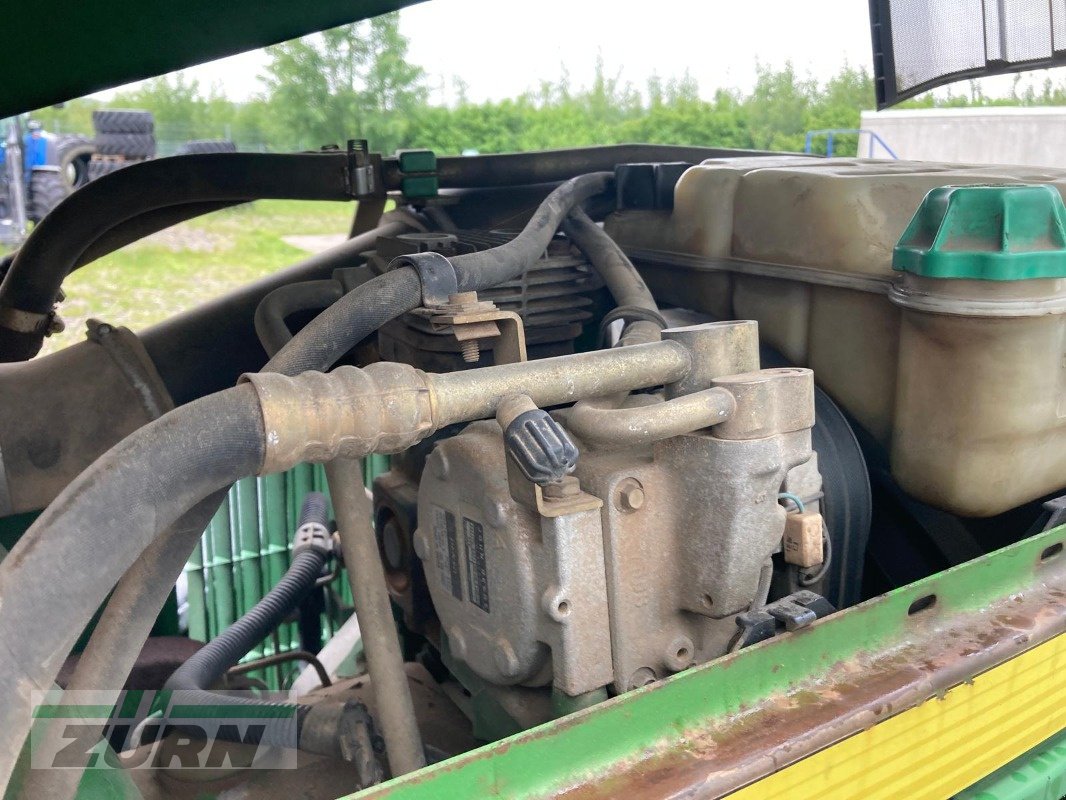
<point>56,53</point>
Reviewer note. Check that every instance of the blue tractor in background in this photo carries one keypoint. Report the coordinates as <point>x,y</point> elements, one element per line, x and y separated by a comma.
<point>37,170</point>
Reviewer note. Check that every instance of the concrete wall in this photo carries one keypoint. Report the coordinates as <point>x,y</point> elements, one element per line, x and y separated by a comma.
<point>999,135</point>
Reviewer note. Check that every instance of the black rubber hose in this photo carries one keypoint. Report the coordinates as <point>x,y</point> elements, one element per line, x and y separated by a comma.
<point>52,250</point>
<point>365,309</point>
<point>482,270</point>
<point>633,298</point>
<point>70,558</point>
<point>191,682</point>
<point>271,313</point>
<point>618,273</point>
<point>347,322</point>
<point>185,348</point>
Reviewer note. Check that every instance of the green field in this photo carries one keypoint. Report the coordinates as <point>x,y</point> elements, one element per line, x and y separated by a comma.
<point>178,268</point>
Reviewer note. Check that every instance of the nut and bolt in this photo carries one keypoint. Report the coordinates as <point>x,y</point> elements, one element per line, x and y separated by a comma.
<point>471,351</point>
<point>568,486</point>
<point>465,303</point>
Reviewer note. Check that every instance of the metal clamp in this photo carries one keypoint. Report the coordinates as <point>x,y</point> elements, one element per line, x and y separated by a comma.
<point>31,321</point>
<point>436,273</point>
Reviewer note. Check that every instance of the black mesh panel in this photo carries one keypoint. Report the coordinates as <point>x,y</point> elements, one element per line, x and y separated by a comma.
<point>920,44</point>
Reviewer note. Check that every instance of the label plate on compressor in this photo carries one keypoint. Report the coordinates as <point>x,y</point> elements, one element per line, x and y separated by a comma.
<point>446,545</point>
<point>477,575</point>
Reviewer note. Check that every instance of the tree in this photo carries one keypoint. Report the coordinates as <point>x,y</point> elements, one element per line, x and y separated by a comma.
<point>347,82</point>
<point>778,109</point>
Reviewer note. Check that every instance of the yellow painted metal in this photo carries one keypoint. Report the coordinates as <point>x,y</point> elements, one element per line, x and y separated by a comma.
<point>946,744</point>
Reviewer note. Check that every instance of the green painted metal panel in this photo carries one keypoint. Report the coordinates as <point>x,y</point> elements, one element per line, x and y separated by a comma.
<point>80,47</point>
<point>1040,774</point>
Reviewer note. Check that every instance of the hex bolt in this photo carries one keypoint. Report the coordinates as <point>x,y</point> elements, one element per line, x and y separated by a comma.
<point>630,496</point>
<point>568,486</point>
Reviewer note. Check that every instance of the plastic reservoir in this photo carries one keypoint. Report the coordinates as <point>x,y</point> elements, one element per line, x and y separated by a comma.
<point>955,361</point>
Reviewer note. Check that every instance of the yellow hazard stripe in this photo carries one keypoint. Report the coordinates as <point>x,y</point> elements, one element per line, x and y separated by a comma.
<point>942,746</point>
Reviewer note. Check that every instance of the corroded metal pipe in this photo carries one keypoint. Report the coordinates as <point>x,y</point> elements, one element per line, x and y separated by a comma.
<point>474,394</point>
<point>388,407</point>
<point>601,423</point>
<point>393,707</point>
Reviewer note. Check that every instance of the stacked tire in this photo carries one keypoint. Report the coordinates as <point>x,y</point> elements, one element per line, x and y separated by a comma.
<point>123,136</point>
<point>201,146</point>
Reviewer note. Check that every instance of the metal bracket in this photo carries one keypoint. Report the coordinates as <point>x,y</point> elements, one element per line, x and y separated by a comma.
<point>436,273</point>
<point>362,177</point>
<point>131,364</point>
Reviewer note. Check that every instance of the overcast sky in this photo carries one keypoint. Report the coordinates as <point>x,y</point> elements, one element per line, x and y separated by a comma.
<point>501,48</point>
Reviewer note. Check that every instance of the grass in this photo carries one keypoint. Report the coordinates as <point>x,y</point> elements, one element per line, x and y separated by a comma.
<point>195,261</point>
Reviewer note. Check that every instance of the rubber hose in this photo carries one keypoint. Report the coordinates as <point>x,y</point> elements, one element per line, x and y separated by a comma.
<point>192,681</point>
<point>613,265</point>
<point>55,246</point>
<point>120,633</point>
<point>54,578</point>
<point>347,322</point>
<point>621,277</point>
<point>362,311</point>
<point>482,270</point>
<point>272,311</point>
<point>186,348</point>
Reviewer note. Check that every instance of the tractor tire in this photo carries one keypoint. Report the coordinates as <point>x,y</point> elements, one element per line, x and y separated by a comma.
<point>122,120</point>
<point>130,145</point>
<point>98,169</point>
<point>73,154</point>
<point>48,188</point>
<point>201,146</point>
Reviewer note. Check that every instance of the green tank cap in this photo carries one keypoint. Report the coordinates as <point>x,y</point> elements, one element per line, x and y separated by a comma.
<point>1006,232</point>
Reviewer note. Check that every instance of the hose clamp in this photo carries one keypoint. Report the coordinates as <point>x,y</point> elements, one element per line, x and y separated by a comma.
<point>435,272</point>
<point>19,321</point>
